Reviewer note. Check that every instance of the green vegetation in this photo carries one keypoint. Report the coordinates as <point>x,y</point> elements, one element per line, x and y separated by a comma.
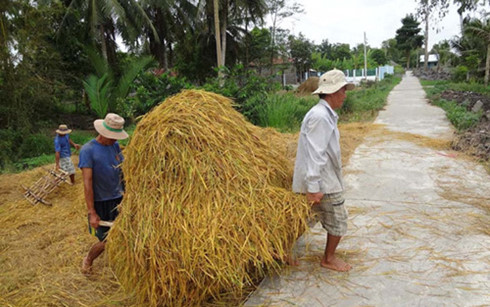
<point>286,111</point>
<point>364,104</point>
<point>457,114</point>
<point>60,58</point>
<point>35,150</point>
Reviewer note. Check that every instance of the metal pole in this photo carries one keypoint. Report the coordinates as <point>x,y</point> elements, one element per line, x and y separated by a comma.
<point>365,57</point>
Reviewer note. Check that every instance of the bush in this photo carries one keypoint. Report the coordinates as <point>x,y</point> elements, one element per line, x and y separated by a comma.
<point>284,111</point>
<point>248,89</point>
<point>8,149</point>
<point>459,73</point>
<point>399,70</point>
<point>150,90</point>
<point>34,145</point>
<point>458,115</point>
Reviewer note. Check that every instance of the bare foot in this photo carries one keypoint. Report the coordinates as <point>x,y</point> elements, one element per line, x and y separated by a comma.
<point>86,266</point>
<point>336,265</point>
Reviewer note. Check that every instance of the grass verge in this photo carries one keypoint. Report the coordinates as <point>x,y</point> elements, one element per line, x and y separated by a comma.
<point>458,115</point>
<point>286,111</point>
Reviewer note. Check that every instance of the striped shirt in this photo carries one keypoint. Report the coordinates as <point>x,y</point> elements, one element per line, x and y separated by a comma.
<point>318,166</point>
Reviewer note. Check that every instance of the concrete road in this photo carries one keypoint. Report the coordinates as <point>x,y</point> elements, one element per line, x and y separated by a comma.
<point>418,235</point>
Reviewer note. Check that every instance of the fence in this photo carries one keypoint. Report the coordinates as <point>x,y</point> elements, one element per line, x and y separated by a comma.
<point>374,74</point>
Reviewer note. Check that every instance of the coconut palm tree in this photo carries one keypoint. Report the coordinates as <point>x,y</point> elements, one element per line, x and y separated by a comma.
<point>103,16</point>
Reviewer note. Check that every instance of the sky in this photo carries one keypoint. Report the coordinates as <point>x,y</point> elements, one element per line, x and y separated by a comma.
<point>345,21</point>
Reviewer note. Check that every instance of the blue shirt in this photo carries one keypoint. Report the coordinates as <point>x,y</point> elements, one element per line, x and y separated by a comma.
<point>62,145</point>
<point>105,162</point>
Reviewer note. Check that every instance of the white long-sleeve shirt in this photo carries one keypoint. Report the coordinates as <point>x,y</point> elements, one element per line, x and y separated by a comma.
<point>318,166</point>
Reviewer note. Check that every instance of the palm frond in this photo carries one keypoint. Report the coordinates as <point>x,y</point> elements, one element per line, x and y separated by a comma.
<point>97,90</point>
<point>128,76</point>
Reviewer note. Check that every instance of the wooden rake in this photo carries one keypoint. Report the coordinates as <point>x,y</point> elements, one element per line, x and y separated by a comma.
<point>40,189</point>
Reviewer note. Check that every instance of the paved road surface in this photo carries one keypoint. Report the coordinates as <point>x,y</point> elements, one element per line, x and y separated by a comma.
<point>417,234</point>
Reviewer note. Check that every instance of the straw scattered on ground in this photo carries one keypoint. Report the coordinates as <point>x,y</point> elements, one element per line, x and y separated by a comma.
<point>41,248</point>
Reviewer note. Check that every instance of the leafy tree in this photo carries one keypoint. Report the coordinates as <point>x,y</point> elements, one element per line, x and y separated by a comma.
<point>443,49</point>
<point>280,10</point>
<point>340,52</point>
<point>230,13</point>
<point>101,24</point>
<point>31,67</point>
<point>428,7</point>
<point>390,48</point>
<point>481,28</point>
<point>169,21</point>
<point>407,37</point>
<point>259,42</point>
<point>325,49</point>
<point>301,50</point>
<point>320,62</point>
<point>378,56</point>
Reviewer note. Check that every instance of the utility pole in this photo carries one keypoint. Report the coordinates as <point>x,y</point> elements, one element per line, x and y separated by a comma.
<point>365,57</point>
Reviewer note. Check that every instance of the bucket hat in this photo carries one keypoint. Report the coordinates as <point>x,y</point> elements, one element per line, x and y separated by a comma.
<point>332,81</point>
<point>63,129</point>
<point>111,127</point>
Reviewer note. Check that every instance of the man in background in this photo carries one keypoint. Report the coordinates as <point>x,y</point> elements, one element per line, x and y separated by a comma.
<point>62,144</point>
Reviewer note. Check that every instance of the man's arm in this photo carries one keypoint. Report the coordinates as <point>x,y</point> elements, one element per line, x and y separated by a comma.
<point>76,146</point>
<point>317,138</point>
<point>89,197</point>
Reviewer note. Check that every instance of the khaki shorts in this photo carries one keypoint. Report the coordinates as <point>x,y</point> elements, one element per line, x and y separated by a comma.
<point>67,165</point>
<point>332,213</point>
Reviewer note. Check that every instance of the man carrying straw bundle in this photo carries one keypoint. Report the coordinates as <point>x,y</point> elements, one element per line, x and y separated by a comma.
<point>100,161</point>
<point>318,167</point>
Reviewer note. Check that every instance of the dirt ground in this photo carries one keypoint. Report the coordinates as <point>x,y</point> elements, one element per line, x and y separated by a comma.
<point>476,140</point>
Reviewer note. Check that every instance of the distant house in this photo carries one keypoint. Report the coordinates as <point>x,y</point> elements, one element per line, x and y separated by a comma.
<point>432,62</point>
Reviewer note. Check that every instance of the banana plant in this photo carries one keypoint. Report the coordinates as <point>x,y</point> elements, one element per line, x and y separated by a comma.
<point>104,89</point>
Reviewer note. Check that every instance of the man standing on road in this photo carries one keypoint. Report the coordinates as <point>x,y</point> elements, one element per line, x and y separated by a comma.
<point>62,144</point>
<point>318,167</point>
<point>100,162</point>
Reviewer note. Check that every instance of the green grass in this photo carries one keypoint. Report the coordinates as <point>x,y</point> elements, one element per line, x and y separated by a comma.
<point>286,111</point>
<point>364,103</point>
<point>29,163</point>
<point>458,115</point>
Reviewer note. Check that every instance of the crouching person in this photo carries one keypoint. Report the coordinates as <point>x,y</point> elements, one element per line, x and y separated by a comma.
<point>100,160</point>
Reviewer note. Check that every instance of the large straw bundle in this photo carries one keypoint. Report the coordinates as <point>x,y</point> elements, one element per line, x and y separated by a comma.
<point>208,208</point>
<point>309,86</point>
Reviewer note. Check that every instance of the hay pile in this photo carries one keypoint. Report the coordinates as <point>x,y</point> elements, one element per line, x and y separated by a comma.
<point>208,208</point>
<point>309,86</point>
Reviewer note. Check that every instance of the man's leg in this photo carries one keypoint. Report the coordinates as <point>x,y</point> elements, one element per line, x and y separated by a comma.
<point>330,261</point>
<point>93,253</point>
